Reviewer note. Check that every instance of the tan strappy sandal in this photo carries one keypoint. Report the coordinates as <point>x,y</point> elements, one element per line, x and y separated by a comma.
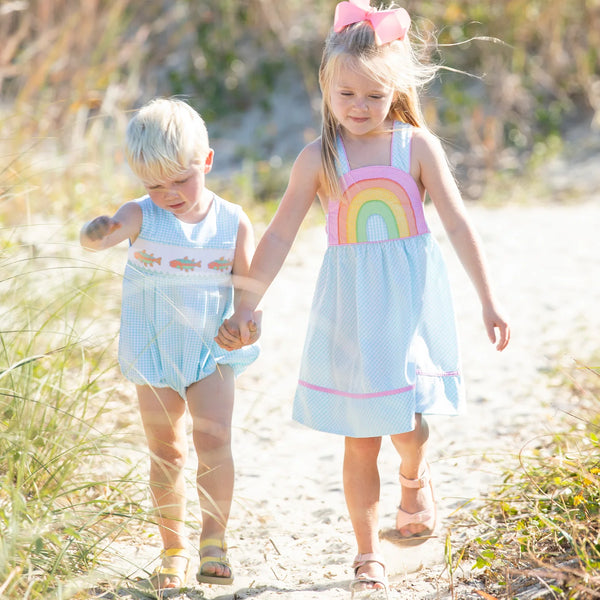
<point>359,580</point>
<point>221,560</point>
<point>427,516</point>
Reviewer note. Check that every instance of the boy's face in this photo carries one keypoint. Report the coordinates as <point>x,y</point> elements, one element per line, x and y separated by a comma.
<point>183,196</point>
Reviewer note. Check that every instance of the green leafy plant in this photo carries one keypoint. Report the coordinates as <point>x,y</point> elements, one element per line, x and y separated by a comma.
<point>542,527</point>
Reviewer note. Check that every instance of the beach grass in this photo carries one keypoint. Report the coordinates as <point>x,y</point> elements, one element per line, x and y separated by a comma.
<point>66,490</point>
<point>538,533</point>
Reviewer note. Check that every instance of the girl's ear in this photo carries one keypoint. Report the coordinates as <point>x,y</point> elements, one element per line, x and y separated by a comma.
<point>208,162</point>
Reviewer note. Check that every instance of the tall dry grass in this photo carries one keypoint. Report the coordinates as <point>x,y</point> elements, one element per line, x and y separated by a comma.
<point>70,71</point>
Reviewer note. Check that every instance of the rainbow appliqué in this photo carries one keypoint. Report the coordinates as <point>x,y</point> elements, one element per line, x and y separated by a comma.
<point>389,194</point>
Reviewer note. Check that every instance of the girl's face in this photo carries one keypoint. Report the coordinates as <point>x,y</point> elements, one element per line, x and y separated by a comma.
<point>359,103</point>
<point>184,195</point>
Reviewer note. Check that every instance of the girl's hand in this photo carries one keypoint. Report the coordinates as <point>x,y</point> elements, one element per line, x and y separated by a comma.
<point>493,320</point>
<point>235,333</point>
<point>100,227</point>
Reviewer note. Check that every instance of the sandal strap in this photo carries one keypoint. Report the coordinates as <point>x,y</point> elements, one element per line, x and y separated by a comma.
<point>214,542</point>
<point>362,559</point>
<point>418,483</point>
<point>179,572</point>
<point>404,518</point>
<point>181,552</point>
<point>217,543</point>
<point>222,560</point>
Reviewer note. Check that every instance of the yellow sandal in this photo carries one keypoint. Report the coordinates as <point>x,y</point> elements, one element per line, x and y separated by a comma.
<point>153,583</point>
<point>221,560</point>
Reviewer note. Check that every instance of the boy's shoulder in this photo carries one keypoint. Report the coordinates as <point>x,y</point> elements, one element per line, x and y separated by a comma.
<point>222,203</point>
<point>142,201</point>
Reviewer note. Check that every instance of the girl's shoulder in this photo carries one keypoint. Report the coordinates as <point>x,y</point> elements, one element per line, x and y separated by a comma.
<point>309,161</point>
<point>426,145</point>
<point>312,150</point>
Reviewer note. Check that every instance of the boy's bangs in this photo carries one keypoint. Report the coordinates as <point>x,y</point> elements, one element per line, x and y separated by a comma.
<point>158,172</point>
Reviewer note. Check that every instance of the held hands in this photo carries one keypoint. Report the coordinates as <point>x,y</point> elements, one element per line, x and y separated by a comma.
<point>237,331</point>
<point>493,320</point>
<point>100,227</point>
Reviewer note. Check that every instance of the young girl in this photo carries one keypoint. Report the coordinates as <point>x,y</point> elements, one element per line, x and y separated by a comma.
<point>186,244</point>
<point>381,347</point>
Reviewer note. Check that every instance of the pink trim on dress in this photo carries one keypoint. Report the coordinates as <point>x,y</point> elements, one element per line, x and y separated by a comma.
<point>444,374</point>
<point>318,388</point>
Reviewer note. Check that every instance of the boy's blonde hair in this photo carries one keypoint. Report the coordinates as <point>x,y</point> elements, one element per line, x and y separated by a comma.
<point>394,65</point>
<point>163,139</point>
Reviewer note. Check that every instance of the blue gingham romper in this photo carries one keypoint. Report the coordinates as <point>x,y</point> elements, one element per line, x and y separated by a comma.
<point>177,290</point>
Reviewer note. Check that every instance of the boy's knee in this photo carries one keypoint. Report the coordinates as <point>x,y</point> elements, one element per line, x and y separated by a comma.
<point>171,457</point>
<point>210,434</point>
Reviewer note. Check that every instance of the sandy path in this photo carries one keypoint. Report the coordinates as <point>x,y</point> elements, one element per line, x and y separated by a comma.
<point>290,536</point>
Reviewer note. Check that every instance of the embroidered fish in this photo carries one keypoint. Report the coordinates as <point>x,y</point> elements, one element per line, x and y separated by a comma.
<point>220,264</point>
<point>185,264</point>
<point>146,259</point>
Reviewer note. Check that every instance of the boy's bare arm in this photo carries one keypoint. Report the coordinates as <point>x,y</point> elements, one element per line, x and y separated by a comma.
<point>105,232</point>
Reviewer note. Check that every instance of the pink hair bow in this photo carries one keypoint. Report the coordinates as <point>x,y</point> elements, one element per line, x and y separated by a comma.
<point>388,25</point>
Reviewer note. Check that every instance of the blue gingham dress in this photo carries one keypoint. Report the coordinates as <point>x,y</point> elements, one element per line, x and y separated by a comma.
<point>177,290</point>
<point>382,342</point>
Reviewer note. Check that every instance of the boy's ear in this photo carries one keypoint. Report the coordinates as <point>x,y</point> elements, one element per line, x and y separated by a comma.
<point>208,162</point>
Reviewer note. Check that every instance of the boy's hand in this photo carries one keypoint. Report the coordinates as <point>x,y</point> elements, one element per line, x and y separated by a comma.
<point>100,227</point>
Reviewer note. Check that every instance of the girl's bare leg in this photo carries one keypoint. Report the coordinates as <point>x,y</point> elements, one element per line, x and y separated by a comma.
<point>211,405</point>
<point>163,416</point>
<point>362,489</point>
<point>411,447</point>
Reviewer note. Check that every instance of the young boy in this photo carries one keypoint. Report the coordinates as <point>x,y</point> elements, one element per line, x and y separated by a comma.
<point>188,247</point>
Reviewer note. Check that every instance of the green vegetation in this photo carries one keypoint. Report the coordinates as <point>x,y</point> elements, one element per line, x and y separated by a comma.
<point>56,391</point>
<point>538,534</point>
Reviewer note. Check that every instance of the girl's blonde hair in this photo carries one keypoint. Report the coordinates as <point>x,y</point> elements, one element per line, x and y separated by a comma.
<point>393,65</point>
<point>163,139</point>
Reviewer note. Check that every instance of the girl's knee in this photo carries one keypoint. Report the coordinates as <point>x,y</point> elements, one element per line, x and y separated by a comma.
<point>363,447</point>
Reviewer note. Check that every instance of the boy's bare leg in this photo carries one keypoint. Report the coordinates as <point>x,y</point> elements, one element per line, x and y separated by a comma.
<point>211,405</point>
<point>163,416</point>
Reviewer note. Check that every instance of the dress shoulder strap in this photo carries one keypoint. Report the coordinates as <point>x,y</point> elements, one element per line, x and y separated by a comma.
<point>343,165</point>
<point>150,217</point>
<point>401,138</point>
<point>226,216</point>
